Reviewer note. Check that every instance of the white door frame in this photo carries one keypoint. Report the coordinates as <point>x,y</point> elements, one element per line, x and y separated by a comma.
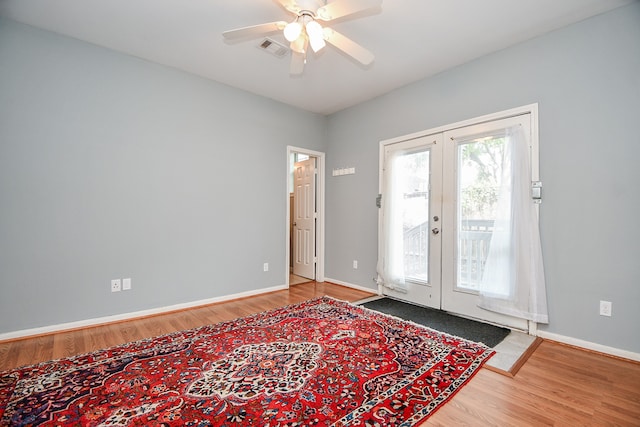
<point>320,168</point>
<point>525,109</point>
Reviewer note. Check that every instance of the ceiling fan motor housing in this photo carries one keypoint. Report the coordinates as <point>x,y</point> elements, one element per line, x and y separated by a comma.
<point>310,5</point>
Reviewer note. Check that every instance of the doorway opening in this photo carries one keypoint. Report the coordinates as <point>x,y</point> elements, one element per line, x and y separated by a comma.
<point>446,198</point>
<point>305,216</point>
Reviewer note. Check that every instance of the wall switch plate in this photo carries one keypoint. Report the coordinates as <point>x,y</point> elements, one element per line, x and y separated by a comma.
<point>605,308</point>
<point>115,285</point>
<point>265,267</point>
<point>126,284</point>
<point>355,264</point>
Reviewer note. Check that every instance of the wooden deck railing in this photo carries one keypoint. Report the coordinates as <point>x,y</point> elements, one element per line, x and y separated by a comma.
<point>473,247</point>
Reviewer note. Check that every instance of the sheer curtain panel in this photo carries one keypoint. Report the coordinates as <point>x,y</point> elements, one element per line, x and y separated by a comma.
<point>513,281</point>
<point>391,266</point>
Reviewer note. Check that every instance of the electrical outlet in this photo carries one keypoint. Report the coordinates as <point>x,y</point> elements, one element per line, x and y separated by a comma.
<point>355,264</point>
<point>126,284</point>
<point>265,267</point>
<point>116,285</point>
<point>605,308</point>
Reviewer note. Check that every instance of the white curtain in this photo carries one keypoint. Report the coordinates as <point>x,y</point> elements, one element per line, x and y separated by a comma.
<point>513,280</point>
<point>391,265</point>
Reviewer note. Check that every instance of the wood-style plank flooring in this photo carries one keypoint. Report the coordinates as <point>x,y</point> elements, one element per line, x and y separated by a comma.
<point>54,346</point>
<point>558,386</point>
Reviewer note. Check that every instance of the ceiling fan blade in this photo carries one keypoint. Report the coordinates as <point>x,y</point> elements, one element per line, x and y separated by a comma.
<point>254,31</point>
<point>290,5</point>
<point>340,8</point>
<point>348,46</point>
<point>297,63</point>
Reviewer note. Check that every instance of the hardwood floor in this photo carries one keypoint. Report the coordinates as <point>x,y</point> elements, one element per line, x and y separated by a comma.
<point>54,346</point>
<point>557,386</point>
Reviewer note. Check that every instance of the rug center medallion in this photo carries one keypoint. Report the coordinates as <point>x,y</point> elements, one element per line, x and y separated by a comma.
<point>255,369</point>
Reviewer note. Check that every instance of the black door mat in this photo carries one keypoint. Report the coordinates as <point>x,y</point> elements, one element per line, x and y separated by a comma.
<point>441,321</point>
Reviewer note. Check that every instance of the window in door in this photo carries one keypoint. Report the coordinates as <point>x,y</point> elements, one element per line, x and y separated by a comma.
<point>414,187</point>
<point>480,168</point>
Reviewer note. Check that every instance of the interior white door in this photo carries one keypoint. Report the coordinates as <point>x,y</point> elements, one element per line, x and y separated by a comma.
<point>473,167</point>
<point>412,197</point>
<point>304,219</point>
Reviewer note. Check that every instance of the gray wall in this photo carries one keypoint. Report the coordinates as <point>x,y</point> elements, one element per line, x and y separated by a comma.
<point>586,79</point>
<point>114,167</point>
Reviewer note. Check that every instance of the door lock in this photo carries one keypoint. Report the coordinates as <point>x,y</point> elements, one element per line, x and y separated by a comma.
<point>435,231</point>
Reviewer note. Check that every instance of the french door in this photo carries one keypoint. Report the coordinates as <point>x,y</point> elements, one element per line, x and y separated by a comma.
<point>476,167</point>
<point>411,256</point>
<point>440,196</point>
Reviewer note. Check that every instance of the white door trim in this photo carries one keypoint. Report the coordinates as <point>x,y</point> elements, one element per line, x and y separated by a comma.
<point>531,108</point>
<point>320,168</point>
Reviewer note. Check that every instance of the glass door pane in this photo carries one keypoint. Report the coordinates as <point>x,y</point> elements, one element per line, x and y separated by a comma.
<point>473,173</point>
<point>414,186</point>
<point>480,171</point>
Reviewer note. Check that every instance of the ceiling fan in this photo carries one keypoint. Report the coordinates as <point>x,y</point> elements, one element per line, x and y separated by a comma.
<point>305,31</point>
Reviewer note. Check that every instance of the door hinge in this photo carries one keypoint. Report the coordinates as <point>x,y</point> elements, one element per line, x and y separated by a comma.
<point>379,200</point>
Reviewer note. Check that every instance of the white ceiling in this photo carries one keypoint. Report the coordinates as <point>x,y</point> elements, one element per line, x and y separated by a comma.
<point>411,39</point>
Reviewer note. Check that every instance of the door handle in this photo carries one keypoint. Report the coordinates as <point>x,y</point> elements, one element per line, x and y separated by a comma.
<point>294,224</point>
<point>435,231</point>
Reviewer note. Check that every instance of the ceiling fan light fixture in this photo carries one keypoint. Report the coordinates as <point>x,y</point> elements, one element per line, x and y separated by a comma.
<point>316,35</point>
<point>306,29</point>
<point>317,44</point>
<point>292,31</point>
<point>299,45</point>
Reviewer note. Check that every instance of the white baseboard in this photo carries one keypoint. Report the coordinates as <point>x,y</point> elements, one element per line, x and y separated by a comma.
<point>193,304</point>
<point>132,315</point>
<point>612,351</point>
<point>351,285</point>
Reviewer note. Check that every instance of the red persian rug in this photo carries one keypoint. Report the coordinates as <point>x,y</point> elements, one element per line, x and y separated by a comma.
<point>322,362</point>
